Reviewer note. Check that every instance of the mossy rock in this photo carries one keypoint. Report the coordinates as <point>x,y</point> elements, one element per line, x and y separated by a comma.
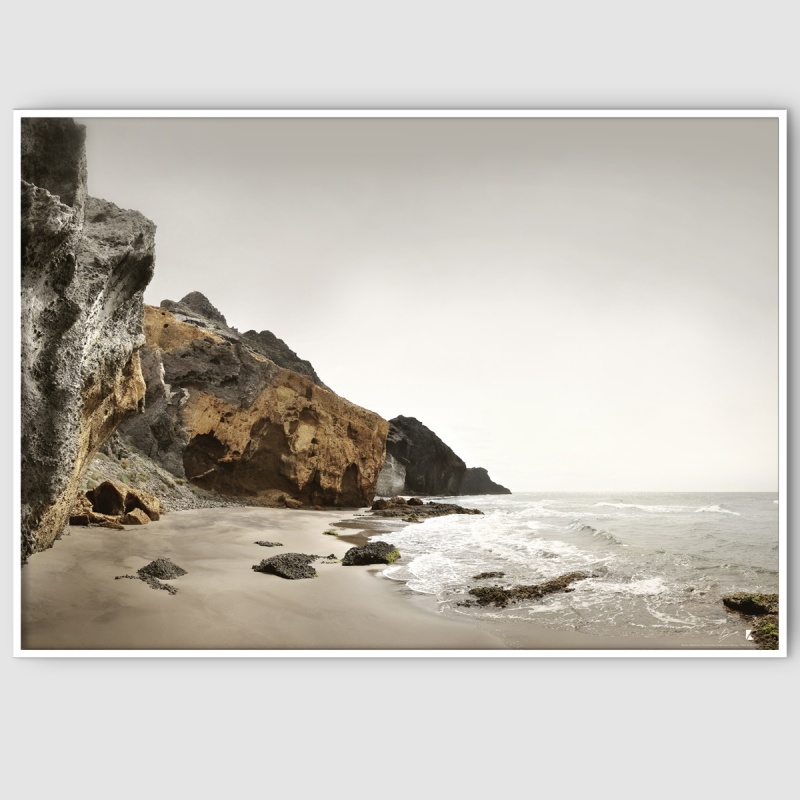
<point>498,596</point>
<point>372,553</point>
<point>752,603</point>
<point>765,634</point>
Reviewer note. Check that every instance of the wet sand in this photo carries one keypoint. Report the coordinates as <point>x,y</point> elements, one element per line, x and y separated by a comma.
<point>71,600</point>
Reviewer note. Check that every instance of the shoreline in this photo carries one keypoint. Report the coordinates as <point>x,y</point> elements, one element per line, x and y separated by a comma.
<point>71,601</point>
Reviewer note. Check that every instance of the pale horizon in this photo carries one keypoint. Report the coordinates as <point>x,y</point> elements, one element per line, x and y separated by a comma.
<point>567,303</point>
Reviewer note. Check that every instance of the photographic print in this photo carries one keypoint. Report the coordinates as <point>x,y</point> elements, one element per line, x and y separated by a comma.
<point>401,383</point>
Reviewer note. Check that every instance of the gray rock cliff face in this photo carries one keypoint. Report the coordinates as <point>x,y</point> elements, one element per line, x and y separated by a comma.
<point>419,462</point>
<point>476,480</point>
<point>85,264</point>
<point>432,468</point>
<point>392,478</point>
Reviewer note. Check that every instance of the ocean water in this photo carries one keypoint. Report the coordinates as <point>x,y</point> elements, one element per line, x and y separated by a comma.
<point>661,562</point>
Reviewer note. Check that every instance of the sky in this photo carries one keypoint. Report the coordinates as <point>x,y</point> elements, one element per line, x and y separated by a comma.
<point>573,304</point>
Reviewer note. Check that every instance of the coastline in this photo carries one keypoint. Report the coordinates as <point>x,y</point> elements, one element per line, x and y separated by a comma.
<point>71,601</point>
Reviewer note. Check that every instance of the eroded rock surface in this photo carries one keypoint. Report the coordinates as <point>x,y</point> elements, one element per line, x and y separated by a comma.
<point>761,611</point>
<point>85,265</point>
<point>476,480</point>
<point>415,510</point>
<point>419,462</point>
<point>230,419</point>
<point>292,566</point>
<point>371,553</point>
<point>501,597</point>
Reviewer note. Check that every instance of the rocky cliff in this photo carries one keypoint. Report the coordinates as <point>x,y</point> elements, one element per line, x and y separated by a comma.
<point>476,480</point>
<point>243,415</point>
<point>419,462</point>
<point>85,264</point>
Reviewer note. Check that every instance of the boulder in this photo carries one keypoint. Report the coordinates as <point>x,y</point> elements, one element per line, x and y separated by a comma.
<point>371,553</point>
<point>138,499</point>
<point>135,517</point>
<point>108,498</point>
<point>498,596</point>
<point>292,566</point>
<point>114,499</point>
<point>752,603</point>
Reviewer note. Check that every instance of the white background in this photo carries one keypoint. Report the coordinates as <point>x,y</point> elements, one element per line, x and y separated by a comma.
<point>207,727</point>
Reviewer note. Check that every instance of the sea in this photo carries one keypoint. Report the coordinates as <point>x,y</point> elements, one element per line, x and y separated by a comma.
<point>660,562</point>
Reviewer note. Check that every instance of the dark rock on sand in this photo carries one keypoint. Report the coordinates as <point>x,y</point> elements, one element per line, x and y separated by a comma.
<point>270,544</point>
<point>292,566</point>
<point>372,553</point>
<point>498,596</point>
<point>162,568</point>
<point>156,571</point>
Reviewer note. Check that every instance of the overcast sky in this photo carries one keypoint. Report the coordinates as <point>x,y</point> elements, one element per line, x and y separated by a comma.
<point>586,304</point>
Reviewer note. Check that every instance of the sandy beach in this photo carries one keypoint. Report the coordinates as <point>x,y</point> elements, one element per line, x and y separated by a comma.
<point>71,600</point>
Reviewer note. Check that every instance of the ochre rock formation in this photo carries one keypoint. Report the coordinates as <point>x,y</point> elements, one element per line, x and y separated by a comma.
<point>85,264</point>
<point>229,419</point>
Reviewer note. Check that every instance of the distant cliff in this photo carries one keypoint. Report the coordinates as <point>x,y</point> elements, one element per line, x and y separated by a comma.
<point>243,415</point>
<point>476,480</point>
<point>419,462</point>
<point>85,264</point>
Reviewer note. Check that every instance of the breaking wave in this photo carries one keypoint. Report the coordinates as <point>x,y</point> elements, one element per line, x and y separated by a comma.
<point>716,510</point>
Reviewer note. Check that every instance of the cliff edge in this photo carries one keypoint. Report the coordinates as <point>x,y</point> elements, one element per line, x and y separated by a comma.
<point>85,265</point>
<point>242,415</point>
<point>419,462</point>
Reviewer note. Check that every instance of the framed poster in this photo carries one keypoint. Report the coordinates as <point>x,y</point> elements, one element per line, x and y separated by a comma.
<point>507,383</point>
